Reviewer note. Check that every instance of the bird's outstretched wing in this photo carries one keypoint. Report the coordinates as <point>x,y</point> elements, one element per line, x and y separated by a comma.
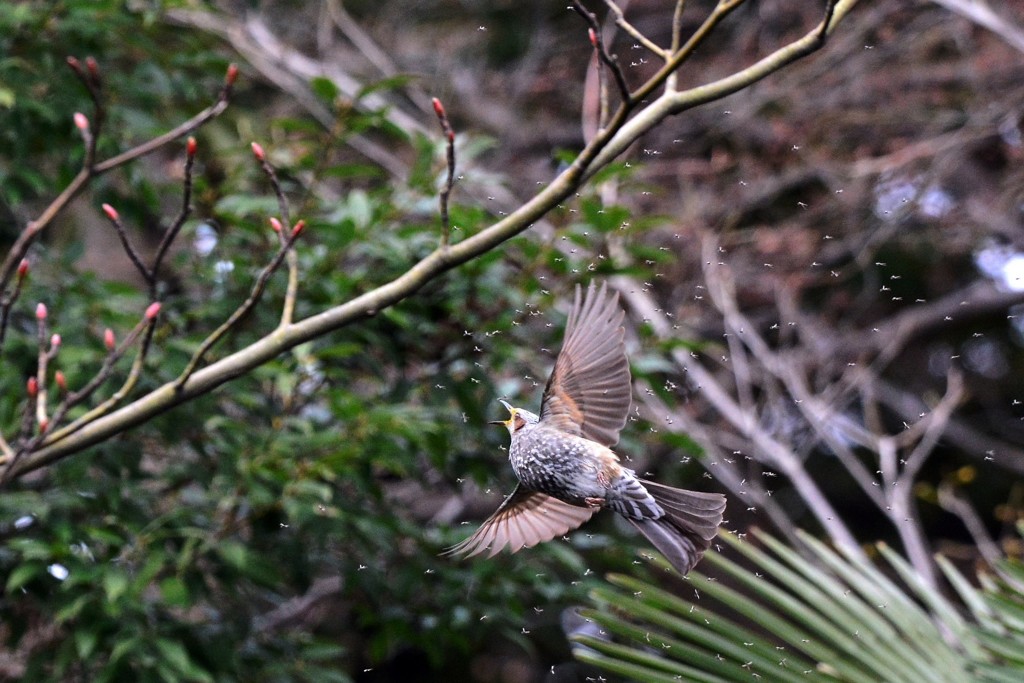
<point>523,520</point>
<point>589,391</point>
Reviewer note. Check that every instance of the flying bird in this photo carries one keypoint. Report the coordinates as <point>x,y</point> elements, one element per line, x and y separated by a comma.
<point>563,458</point>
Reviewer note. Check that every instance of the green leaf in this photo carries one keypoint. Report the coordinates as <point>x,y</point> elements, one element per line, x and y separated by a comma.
<point>176,656</point>
<point>174,592</point>
<point>115,584</point>
<point>85,642</point>
<point>325,89</point>
<point>22,574</point>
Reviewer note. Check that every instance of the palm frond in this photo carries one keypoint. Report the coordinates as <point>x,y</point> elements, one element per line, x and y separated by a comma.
<point>783,617</point>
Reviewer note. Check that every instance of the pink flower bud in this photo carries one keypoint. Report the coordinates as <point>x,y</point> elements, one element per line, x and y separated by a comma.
<point>40,311</point>
<point>55,341</point>
<point>74,63</point>
<point>111,212</point>
<point>275,224</point>
<point>62,382</point>
<point>257,151</point>
<point>298,228</point>
<point>43,425</point>
<point>190,147</point>
<point>81,122</point>
<point>94,68</point>
<point>593,37</point>
<point>438,108</point>
<point>32,387</point>
<point>153,310</point>
<point>23,268</point>
<point>109,340</point>
<point>232,74</point>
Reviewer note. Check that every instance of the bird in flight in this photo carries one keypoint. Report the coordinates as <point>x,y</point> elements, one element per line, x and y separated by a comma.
<point>563,458</point>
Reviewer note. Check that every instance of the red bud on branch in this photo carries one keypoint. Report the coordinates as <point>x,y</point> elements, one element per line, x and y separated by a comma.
<point>55,341</point>
<point>40,311</point>
<point>438,108</point>
<point>75,65</point>
<point>153,310</point>
<point>593,37</point>
<point>94,69</point>
<point>111,212</point>
<point>62,382</point>
<point>43,425</point>
<point>32,387</point>
<point>23,269</point>
<point>257,151</point>
<point>298,228</point>
<point>231,75</point>
<point>275,224</point>
<point>190,147</point>
<point>81,122</point>
<point>109,340</point>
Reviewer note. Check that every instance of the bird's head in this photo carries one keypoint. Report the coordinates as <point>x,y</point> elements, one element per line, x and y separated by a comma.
<point>517,419</point>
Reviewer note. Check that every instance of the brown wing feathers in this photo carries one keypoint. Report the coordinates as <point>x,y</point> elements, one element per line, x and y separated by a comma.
<point>525,519</point>
<point>589,392</point>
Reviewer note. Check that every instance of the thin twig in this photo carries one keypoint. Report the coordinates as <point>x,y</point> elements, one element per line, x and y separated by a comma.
<point>953,502</point>
<point>677,25</point>
<point>826,23</point>
<point>93,82</point>
<point>292,289</point>
<point>633,31</point>
<point>360,39</point>
<point>7,303</point>
<point>175,227</point>
<point>935,425</point>
<point>903,514</point>
<point>122,234</point>
<point>254,297</point>
<point>43,357</point>
<point>449,182</point>
<point>602,51</point>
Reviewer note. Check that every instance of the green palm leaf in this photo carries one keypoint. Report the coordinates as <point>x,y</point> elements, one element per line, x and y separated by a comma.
<point>786,616</point>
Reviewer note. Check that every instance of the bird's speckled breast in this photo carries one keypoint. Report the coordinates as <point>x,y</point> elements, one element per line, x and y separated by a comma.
<point>559,464</point>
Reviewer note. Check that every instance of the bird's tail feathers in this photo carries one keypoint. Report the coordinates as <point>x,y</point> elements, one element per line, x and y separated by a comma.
<point>682,550</point>
<point>692,511</point>
<point>691,521</point>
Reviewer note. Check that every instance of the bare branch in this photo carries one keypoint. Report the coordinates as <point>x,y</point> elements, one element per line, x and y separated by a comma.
<point>951,501</point>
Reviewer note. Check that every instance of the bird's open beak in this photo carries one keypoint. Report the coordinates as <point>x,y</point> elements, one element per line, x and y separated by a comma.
<point>510,409</point>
